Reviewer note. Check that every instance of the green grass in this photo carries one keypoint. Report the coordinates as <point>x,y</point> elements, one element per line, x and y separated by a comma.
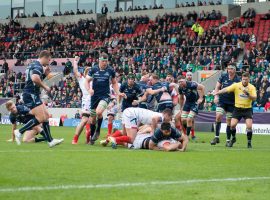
<point>35,165</point>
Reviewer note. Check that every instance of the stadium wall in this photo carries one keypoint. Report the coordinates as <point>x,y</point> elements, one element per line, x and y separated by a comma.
<point>260,7</point>
<point>230,11</point>
<point>30,22</point>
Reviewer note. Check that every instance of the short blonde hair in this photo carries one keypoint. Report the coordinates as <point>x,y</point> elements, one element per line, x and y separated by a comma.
<point>9,104</point>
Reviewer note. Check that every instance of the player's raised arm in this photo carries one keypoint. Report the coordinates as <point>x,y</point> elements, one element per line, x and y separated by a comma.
<point>75,66</point>
<point>87,82</point>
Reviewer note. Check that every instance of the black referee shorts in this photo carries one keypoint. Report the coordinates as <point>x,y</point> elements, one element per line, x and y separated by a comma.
<point>239,113</point>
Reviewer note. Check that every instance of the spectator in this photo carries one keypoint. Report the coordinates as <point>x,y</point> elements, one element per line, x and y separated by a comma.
<point>78,12</point>
<point>209,102</point>
<point>5,67</point>
<point>267,106</point>
<point>77,115</point>
<point>104,9</point>
<point>266,16</point>
<point>261,100</point>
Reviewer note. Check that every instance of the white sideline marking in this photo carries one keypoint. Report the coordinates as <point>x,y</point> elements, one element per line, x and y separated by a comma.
<point>120,185</point>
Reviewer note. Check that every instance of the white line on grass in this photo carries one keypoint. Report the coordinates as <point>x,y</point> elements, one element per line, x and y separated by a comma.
<point>122,149</point>
<point>120,185</point>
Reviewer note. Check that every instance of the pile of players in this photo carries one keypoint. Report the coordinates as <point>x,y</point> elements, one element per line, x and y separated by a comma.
<point>147,106</point>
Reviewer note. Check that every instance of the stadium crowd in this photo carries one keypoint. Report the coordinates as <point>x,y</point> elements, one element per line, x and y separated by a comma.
<point>137,44</point>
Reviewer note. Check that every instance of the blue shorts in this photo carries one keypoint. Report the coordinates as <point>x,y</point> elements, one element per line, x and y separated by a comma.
<point>31,100</point>
<point>163,105</point>
<point>227,107</point>
<point>95,101</point>
<point>191,107</point>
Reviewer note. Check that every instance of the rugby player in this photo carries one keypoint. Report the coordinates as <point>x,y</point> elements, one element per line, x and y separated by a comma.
<point>35,73</point>
<point>192,93</point>
<point>168,138</point>
<point>85,121</point>
<point>244,94</point>
<point>112,109</point>
<point>225,103</point>
<point>131,120</point>
<point>22,114</point>
<point>130,92</point>
<point>143,84</point>
<point>100,76</point>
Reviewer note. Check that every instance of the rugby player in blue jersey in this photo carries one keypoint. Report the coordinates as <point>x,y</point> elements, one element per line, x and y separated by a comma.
<point>101,76</point>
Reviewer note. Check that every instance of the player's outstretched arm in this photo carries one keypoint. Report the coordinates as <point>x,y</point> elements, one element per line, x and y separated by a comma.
<point>184,140</point>
<point>153,146</point>
<point>153,92</point>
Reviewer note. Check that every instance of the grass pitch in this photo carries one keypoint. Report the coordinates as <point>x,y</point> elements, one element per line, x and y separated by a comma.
<point>33,171</point>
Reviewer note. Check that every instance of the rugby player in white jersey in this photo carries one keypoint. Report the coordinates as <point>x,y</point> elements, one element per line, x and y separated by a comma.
<point>112,108</point>
<point>85,121</point>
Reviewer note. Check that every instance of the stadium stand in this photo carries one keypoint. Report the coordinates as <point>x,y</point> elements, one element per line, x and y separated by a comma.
<point>165,44</point>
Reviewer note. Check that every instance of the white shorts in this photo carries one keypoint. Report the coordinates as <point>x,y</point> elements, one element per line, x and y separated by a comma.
<point>113,111</point>
<point>138,142</point>
<point>86,105</point>
<point>129,120</point>
<point>170,141</point>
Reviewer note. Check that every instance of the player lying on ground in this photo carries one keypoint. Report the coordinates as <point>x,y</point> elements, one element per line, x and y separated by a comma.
<point>133,117</point>
<point>85,121</point>
<point>168,138</point>
<point>244,94</point>
<point>22,114</point>
<point>35,73</point>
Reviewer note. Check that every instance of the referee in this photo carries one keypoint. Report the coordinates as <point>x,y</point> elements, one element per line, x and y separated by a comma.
<point>244,94</point>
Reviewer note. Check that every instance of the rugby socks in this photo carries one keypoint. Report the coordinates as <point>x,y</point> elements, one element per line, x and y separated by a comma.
<point>188,130</point>
<point>92,129</point>
<point>192,133</point>
<point>249,135</point>
<point>116,134</point>
<point>99,124</point>
<point>47,131</point>
<point>218,126</point>
<point>185,128</point>
<point>29,125</point>
<point>87,132</point>
<point>40,139</point>
<point>110,126</point>
<point>122,139</point>
<point>232,132</point>
<point>178,127</point>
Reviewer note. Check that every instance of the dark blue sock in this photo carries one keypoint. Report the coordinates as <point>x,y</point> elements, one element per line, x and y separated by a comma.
<point>218,125</point>
<point>233,132</point>
<point>92,129</point>
<point>228,132</point>
<point>99,124</point>
<point>29,125</point>
<point>41,139</point>
<point>188,130</point>
<point>47,131</point>
<point>249,135</point>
